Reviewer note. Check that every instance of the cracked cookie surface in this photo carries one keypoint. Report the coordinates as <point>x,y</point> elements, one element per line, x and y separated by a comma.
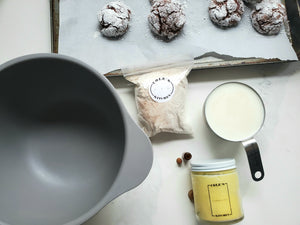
<point>166,18</point>
<point>114,19</point>
<point>226,13</point>
<point>268,17</point>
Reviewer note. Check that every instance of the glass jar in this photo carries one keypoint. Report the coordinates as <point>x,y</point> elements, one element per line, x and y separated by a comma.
<point>216,190</point>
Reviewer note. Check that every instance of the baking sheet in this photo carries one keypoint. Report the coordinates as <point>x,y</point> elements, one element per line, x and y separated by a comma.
<point>80,37</point>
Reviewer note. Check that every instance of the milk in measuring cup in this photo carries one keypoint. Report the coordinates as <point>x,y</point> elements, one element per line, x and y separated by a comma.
<point>234,111</point>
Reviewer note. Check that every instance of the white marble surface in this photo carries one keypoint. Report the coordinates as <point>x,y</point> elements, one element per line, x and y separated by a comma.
<point>24,28</point>
<point>162,197</point>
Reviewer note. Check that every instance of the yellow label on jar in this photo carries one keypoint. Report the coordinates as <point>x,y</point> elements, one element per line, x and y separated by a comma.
<point>216,195</point>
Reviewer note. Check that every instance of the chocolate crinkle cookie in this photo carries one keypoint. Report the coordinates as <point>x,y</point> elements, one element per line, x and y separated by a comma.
<point>226,13</point>
<point>166,18</point>
<point>114,19</point>
<point>152,1</point>
<point>268,17</point>
<point>252,1</point>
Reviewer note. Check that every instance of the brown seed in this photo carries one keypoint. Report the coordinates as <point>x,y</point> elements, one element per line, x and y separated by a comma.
<point>179,161</point>
<point>187,156</point>
<point>191,195</point>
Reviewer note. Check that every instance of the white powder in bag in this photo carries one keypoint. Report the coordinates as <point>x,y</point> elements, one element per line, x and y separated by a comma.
<point>160,99</point>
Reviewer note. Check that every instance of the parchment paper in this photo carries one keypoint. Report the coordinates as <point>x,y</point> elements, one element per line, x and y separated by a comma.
<point>79,37</point>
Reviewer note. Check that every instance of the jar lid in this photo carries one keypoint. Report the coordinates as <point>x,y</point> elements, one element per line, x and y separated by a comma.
<point>213,165</point>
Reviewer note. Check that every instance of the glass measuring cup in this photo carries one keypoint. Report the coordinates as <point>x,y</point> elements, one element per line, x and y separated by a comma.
<point>235,112</point>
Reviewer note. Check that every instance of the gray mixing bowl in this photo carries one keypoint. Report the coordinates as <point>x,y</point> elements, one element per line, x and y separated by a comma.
<point>67,144</point>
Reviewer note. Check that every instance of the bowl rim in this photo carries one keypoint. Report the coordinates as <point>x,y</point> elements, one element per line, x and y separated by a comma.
<point>99,204</point>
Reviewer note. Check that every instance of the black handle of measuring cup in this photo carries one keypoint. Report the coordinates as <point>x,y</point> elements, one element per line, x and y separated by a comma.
<point>254,159</point>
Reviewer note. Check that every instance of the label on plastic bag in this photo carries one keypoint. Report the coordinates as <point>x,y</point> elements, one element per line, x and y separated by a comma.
<point>161,89</point>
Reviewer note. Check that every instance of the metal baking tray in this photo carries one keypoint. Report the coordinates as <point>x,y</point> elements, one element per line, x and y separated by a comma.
<point>208,60</point>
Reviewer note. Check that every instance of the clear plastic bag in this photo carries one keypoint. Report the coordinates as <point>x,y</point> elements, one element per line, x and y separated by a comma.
<point>160,95</point>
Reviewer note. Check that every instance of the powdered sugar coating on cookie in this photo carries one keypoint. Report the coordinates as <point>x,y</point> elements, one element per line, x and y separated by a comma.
<point>226,13</point>
<point>114,19</point>
<point>268,17</point>
<point>166,18</point>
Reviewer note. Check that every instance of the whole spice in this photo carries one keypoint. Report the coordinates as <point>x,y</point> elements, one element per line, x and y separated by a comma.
<point>187,156</point>
<point>179,161</point>
<point>191,195</point>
